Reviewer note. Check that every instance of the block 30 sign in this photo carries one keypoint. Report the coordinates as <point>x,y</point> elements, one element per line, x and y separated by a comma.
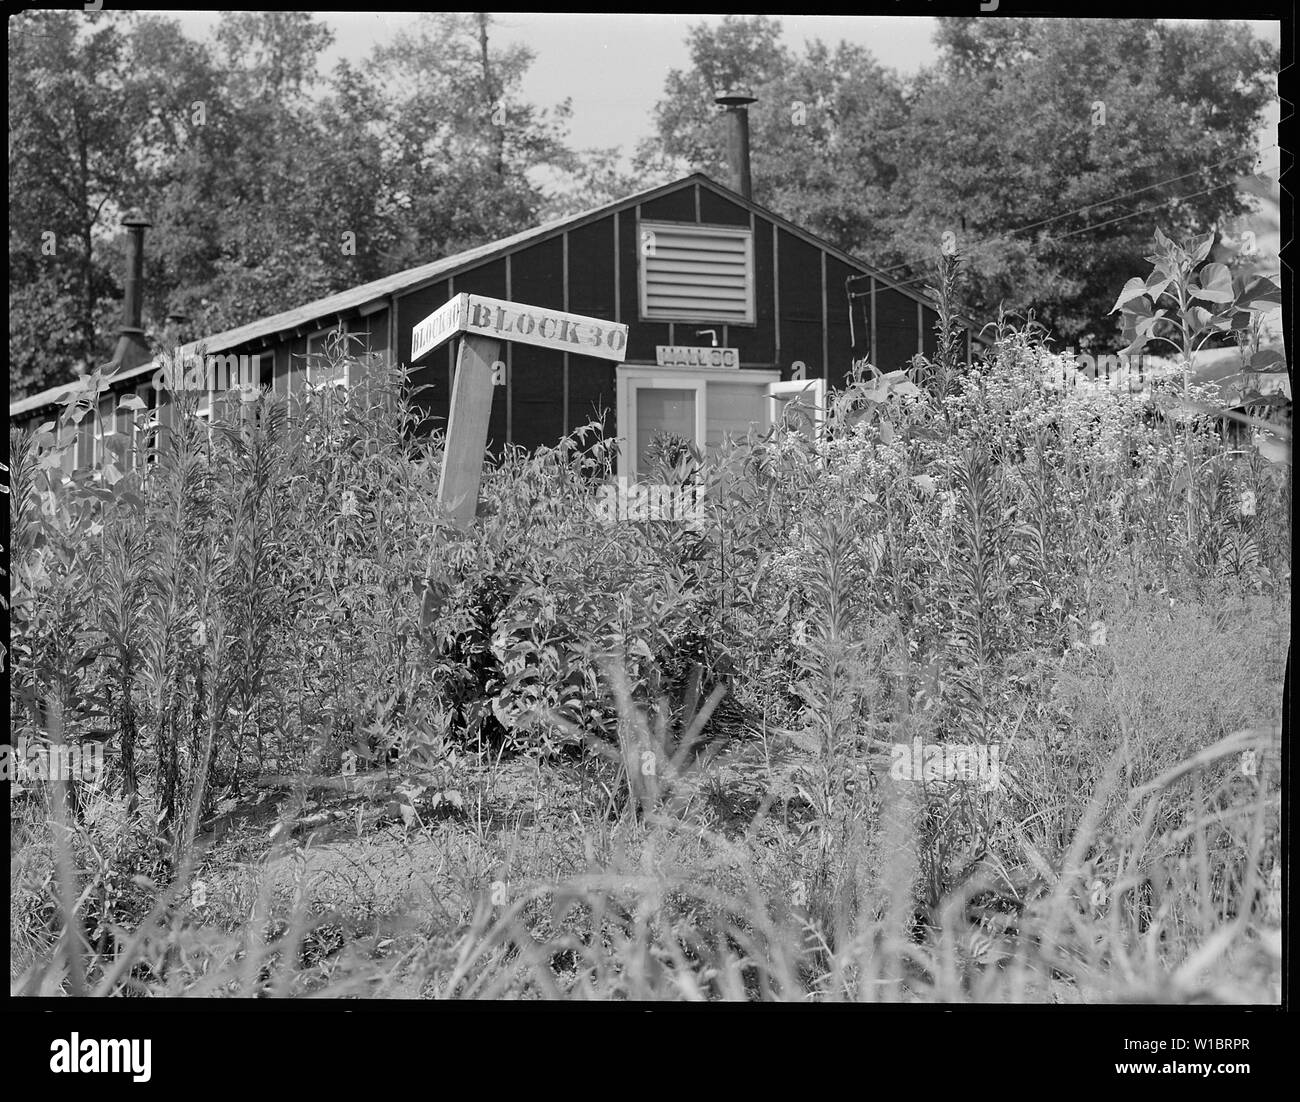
<point>513,321</point>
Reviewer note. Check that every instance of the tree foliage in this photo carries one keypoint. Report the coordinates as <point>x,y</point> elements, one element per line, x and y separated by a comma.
<point>268,182</point>
<point>1034,143</point>
<point>73,106</point>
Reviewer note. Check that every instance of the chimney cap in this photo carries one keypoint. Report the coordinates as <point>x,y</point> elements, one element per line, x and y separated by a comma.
<point>133,217</point>
<point>735,98</point>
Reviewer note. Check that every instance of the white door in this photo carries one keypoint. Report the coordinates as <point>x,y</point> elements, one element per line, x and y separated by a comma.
<point>650,406</point>
<point>706,407</point>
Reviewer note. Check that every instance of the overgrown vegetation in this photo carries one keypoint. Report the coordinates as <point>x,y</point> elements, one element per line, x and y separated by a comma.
<point>355,750</point>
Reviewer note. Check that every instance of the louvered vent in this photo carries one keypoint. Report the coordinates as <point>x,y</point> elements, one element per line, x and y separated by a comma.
<point>696,273</point>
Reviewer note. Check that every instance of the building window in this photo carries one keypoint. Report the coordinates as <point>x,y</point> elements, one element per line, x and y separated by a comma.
<point>368,346</point>
<point>706,407</point>
<point>660,406</point>
<point>85,451</point>
<point>323,349</point>
<point>226,377</point>
<point>115,433</point>
<point>690,272</point>
<point>101,426</point>
<point>133,422</point>
<point>363,346</point>
<point>800,404</point>
<point>108,434</point>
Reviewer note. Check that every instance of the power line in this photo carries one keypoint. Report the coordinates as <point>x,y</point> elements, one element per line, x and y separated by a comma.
<point>1089,206</point>
<point>1148,210</point>
<point>1111,221</point>
<point>1129,195</point>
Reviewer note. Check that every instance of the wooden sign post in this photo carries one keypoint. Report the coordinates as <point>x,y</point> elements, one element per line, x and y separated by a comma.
<point>467,426</point>
<point>483,324</point>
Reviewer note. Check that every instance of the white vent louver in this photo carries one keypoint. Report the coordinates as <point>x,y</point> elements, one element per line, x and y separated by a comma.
<point>696,273</point>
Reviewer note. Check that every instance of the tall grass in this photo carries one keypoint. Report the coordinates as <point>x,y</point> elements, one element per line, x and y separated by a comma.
<point>647,759</point>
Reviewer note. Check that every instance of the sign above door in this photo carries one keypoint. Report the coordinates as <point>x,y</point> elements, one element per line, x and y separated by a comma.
<point>672,355</point>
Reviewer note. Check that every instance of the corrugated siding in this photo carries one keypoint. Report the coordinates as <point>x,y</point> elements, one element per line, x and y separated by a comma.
<point>536,378</point>
<point>697,273</point>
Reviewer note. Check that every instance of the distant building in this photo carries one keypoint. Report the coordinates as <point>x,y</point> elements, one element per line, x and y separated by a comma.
<point>726,304</point>
<point>688,266</point>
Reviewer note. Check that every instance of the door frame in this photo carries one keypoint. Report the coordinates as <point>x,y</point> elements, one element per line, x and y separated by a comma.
<point>633,377</point>
<point>777,393</point>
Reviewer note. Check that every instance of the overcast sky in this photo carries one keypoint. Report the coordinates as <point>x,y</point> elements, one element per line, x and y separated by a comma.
<point>613,66</point>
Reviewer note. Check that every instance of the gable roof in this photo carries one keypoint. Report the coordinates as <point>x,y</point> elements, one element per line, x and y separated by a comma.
<point>413,279</point>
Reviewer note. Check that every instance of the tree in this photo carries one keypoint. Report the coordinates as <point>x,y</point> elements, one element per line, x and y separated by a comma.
<point>742,52</point>
<point>268,184</point>
<point>1046,148</point>
<point>259,190</point>
<point>220,145</point>
<point>73,110</point>
<point>459,142</point>
<point>827,133</point>
<point>1049,147</point>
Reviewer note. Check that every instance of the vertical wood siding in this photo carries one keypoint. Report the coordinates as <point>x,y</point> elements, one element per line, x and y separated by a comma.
<point>800,277</point>
<point>537,374</point>
<point>800,313</point>
<point>896,334</point>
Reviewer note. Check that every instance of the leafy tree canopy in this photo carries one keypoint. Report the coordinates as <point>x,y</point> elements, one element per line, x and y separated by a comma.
<point>1046,148</point>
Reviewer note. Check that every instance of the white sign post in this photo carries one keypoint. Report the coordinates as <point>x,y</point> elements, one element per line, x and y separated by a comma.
<point>485,323</point>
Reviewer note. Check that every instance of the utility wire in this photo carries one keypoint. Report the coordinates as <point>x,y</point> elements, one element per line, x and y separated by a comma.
<point>1128,195</point>
<point>1109,221</point>
<point>1098,203</point>
<point>1148,210</point>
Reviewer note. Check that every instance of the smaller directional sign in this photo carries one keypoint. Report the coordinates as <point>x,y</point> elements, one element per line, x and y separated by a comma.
<point>437,327</point>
